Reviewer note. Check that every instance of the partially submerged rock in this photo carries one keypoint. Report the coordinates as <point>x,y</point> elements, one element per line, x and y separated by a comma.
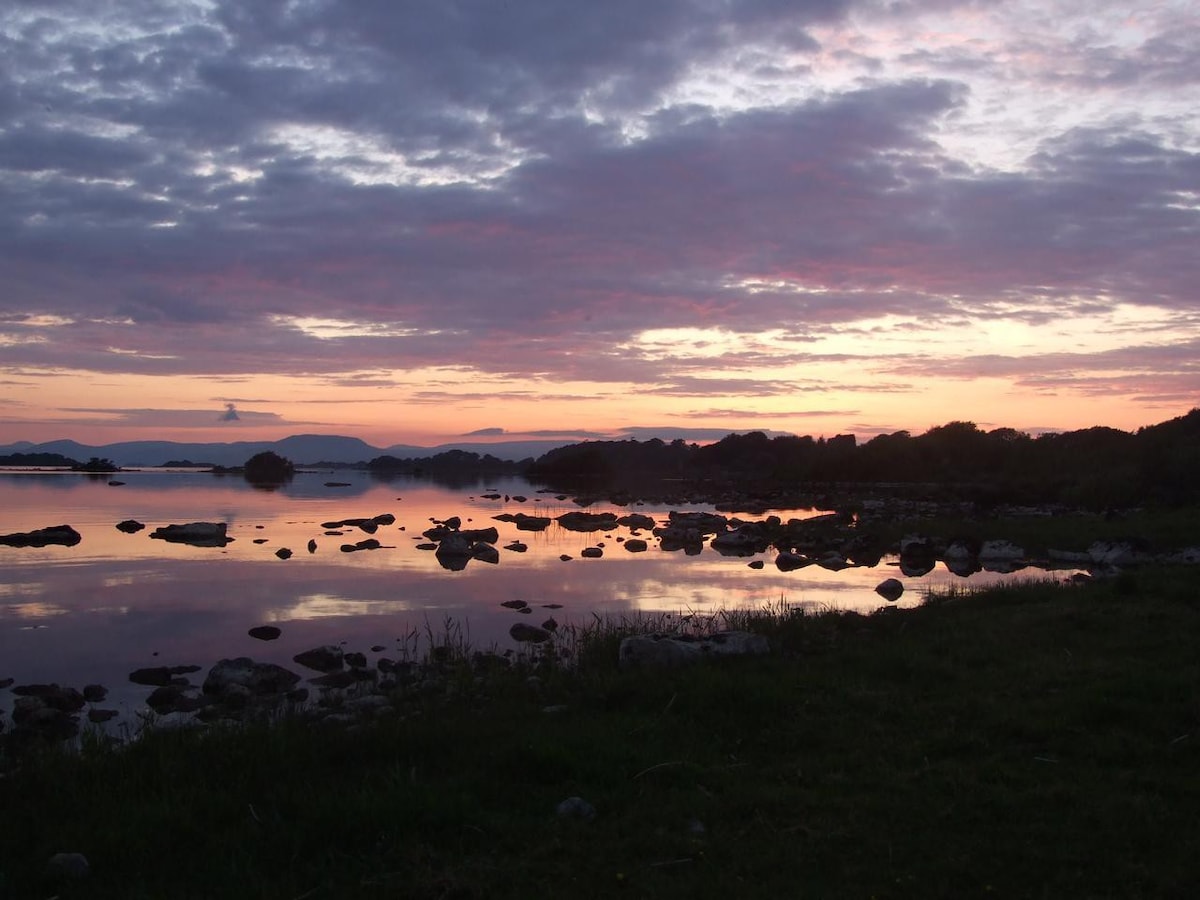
<point>323,659</point>
<point>667,650</point>
<point>61,535</point>
<point>197,534</point>
<point>890,589</point>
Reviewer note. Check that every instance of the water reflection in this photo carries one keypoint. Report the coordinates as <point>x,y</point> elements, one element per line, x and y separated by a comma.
<point>117,601</point>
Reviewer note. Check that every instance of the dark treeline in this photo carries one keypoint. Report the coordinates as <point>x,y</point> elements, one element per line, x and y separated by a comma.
<point>1094,467</point>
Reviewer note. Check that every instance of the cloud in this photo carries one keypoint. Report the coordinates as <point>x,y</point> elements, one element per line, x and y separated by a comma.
<point>364,193</point>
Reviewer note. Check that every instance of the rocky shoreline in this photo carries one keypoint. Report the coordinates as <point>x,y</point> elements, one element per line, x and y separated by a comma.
<point>347,687</point>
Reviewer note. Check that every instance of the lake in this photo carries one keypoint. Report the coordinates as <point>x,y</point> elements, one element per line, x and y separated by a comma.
<point>116,602</point>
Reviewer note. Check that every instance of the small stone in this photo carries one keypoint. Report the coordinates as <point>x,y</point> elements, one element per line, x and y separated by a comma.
<point>283,553</point>
<point>265,632</point>
<point>591,552</point>
<point>514,604</point>
<point>312,546</point>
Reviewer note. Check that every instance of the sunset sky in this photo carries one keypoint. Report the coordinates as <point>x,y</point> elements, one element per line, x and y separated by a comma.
<point>416,221</point>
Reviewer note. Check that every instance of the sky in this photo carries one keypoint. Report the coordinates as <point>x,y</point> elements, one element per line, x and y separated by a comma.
<point>414,222</point>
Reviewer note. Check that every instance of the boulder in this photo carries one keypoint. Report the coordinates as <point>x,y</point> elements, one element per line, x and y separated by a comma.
<point>265,632</point>
<point>243,672</point>
<point>665,651</point>
<point>197,534</point>
<point>636,545</point>
<point>61,535</point>
<point>323,659</point>
<point>787,561</point>
<point>1001,550</point>
<point>637,521</point>
<point>130,526</point>
<point>51,696</point>
<point>485,552</point>
<point>890,589</point>
<point>587,522</point>
<point>591,552</point>
<point>283,553</point>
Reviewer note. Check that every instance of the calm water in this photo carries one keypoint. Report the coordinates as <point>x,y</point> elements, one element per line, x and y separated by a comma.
<point>116,602</point>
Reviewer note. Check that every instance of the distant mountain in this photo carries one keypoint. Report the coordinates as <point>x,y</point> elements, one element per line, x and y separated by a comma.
<point>302,449</point>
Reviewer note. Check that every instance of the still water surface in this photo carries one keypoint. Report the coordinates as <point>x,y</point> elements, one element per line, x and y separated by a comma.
<point>116,602</point>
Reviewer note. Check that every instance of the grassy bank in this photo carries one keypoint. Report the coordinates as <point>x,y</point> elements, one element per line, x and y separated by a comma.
<point>1029,742</point>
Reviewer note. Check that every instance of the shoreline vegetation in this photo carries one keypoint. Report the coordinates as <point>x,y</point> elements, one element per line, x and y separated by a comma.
<point>1028,741</point>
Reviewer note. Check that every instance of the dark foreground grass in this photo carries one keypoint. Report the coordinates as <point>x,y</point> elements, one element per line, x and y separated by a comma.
<point>1025,742</point>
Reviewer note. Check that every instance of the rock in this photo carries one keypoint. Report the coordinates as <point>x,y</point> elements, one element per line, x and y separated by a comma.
<point>336,680</point>
<point>312,546</point>
<point>587,522</point>
<point>154,676</point>
<point>323,659</point>
<point>516,547</point>
<point>130,526</point>
<point>283,553</point>
<point>1001,550</point>
<point>917,555</point>
<point>94,693</point>
<point>51,696</point>
<point>197,534</point>
<point>576,808</point>
<point>355,660</point>
<point>1116,553</point>
<point>550,625</point>
<point>35,716</point>
<point>890,589</point>
<point>485,553</point>
<point>665,651</point>
<point>514,604</point>
<point>99,716</point>
<point>591,553</point>
<point>564,557</point>
<point>528,634</point>
<point>175,698</point>
<point>67,867</point>
<point>787,561</point>
<point>366,544</point>
<point>636,522</point>
<point>636,545</point>
<point>834,562</point>
<point>62,535</point>
<point>756,564</point>
<point>257,678</point>
<point>265,632</point>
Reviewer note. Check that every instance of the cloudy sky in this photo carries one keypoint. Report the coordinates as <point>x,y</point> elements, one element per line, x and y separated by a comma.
<point>410,220</point>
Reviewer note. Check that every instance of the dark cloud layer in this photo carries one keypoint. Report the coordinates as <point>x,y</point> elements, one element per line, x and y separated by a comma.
<point>525,188</point>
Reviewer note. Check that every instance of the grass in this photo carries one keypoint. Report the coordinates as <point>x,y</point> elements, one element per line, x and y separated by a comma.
<point>1161,529</point>
<point>1032,741</point>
